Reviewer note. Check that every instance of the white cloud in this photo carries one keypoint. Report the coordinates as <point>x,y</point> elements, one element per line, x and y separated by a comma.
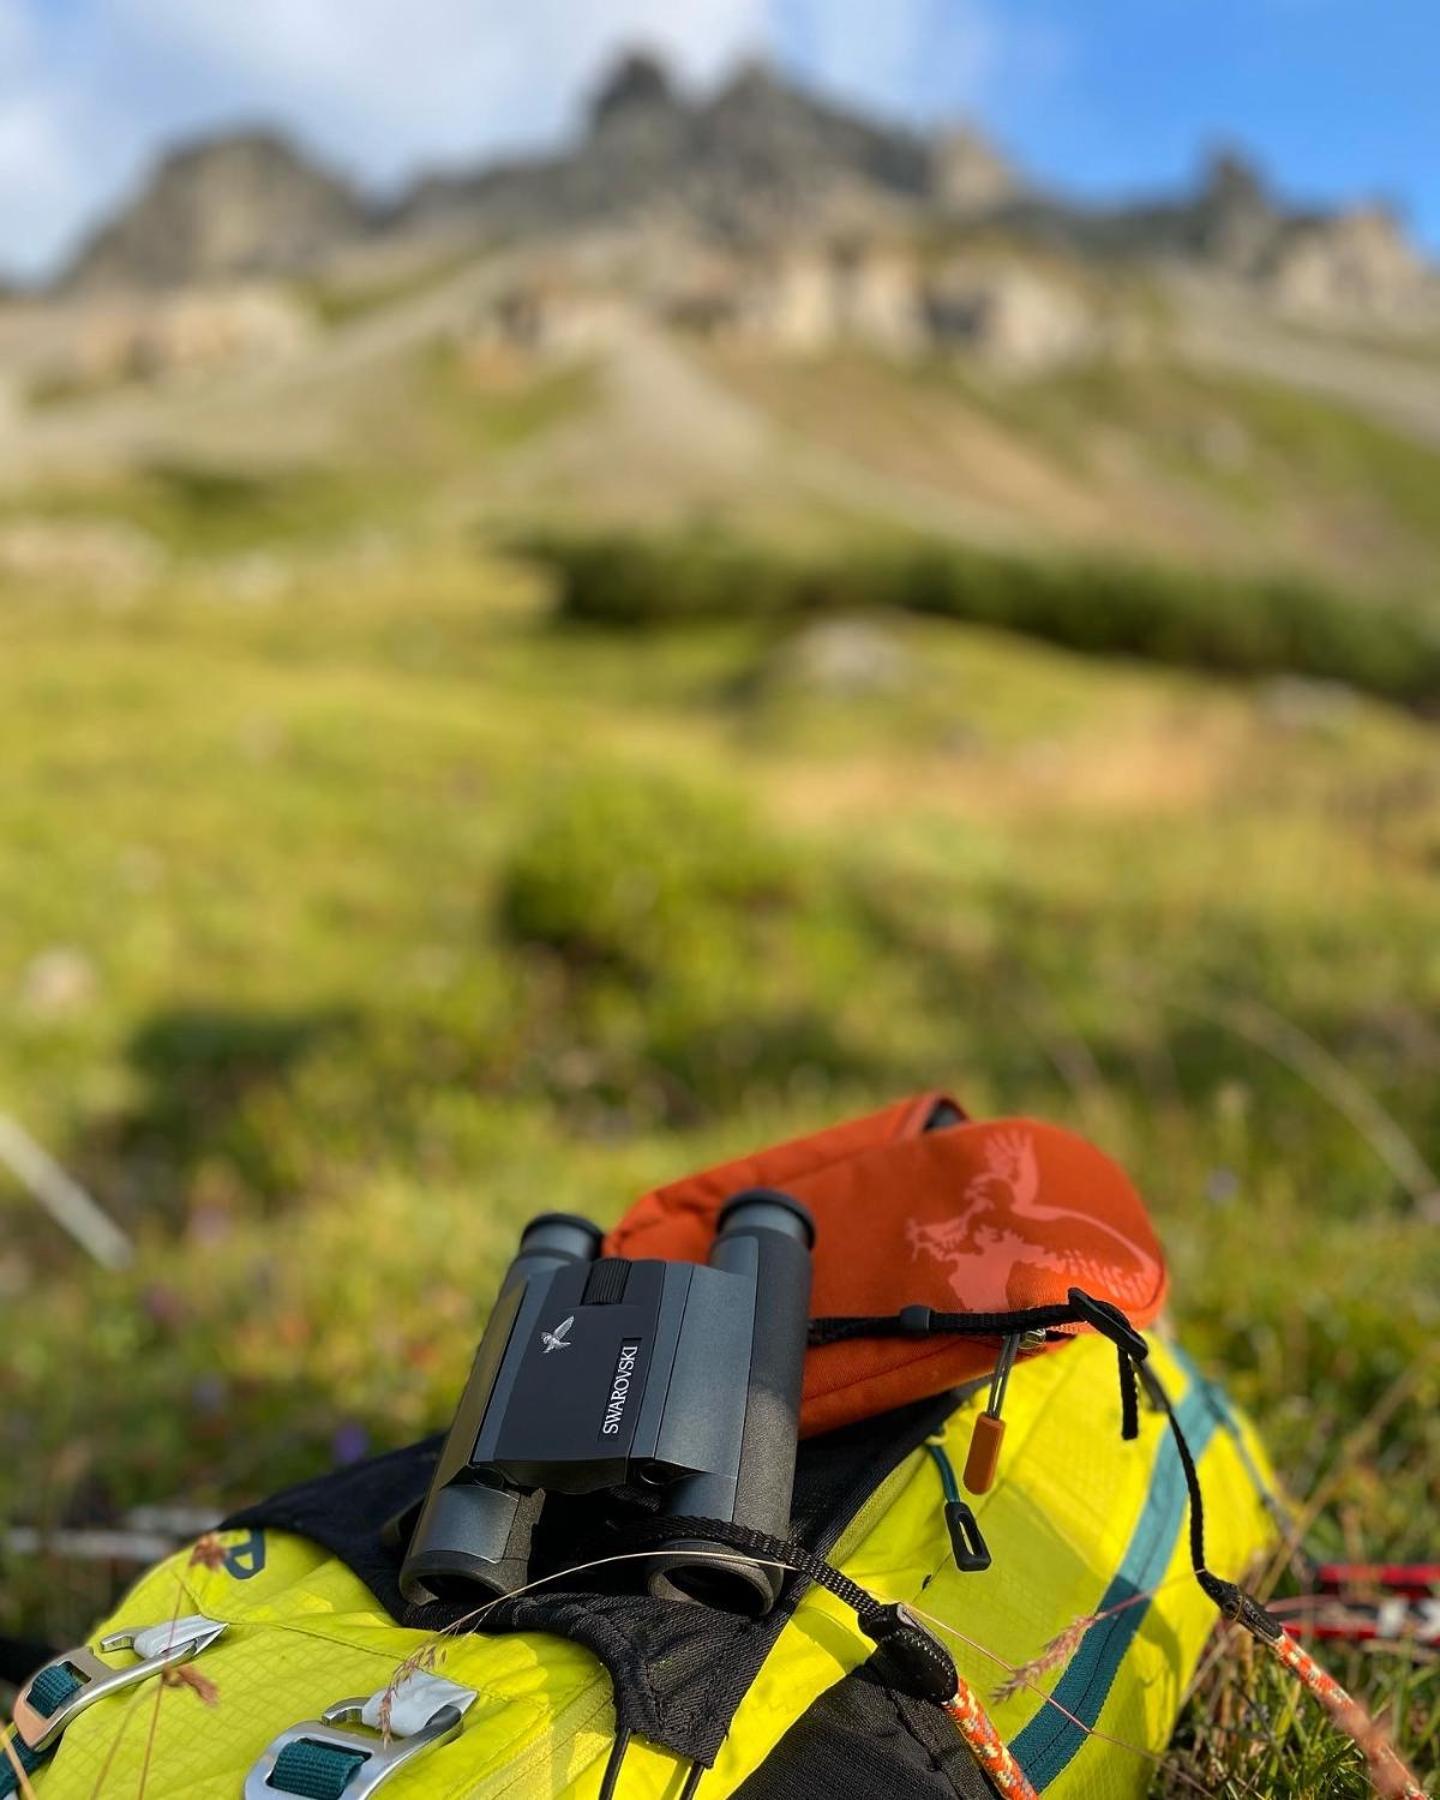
<point>387,81</point>
<point>930,60</point>
<point>942,52</point>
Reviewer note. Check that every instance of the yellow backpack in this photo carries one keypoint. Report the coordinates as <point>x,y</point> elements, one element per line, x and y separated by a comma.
<point>1088,1540</point>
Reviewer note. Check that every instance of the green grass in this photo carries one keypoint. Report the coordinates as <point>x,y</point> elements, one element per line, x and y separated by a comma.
<point>1267,445</point>
<point>402,911</point>
<point>501,415</point>
<point>1132,452</point>
<point>340,300</point>
<point>1258,624</point>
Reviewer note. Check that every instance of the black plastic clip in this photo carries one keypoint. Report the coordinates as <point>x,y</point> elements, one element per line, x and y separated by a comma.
<point>971,1552</point>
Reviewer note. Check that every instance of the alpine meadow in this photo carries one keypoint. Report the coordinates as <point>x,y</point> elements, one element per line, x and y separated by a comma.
<point>555,686</point>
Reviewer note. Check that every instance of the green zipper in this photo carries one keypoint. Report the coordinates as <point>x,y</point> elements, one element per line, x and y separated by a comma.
<point>945,1467</point>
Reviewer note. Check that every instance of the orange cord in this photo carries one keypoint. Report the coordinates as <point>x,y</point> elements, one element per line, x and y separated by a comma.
<point>1390,1776</point>
<point>990,1749</point>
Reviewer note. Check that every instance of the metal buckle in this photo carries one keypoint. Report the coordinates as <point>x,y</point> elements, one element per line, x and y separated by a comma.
<point>337,1728</point>
<point>99,1679</point>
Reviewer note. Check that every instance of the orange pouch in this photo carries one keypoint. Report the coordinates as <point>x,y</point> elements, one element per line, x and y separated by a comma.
<point>919,1208</point>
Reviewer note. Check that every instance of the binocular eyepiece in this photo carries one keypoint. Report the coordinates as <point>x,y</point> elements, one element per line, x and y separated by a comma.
<point>597,1372</point>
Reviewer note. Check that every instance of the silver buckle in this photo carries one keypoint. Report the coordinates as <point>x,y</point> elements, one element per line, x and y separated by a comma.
<point>99,1679</point>
<point>337,1727</point>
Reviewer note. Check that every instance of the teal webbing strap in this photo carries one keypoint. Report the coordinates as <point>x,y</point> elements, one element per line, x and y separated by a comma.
<point>1057,1734</point>
<point>30,1761</point>
<point>49,1691</point>
<point>51,1688</point>
<point>315,1771</point>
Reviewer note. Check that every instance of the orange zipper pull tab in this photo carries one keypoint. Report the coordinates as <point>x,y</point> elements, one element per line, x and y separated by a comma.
<point>988,1434</point>
<point>983,1461</point>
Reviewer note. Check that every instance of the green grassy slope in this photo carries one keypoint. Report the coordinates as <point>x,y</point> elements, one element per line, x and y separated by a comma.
<point>1136,452</point>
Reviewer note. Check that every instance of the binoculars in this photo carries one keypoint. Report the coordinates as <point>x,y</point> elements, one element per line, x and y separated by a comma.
<point>596,1373</point>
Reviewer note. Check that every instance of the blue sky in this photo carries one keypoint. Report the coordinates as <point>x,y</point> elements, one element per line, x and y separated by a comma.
<point>1338,98</point>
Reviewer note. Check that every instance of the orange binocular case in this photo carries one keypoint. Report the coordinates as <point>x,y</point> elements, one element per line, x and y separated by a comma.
<point>922,1214</point>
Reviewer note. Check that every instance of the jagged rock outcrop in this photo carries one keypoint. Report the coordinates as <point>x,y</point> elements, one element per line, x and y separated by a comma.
<point>1349,265</point>
<point>759,168</point>
<point>806,300</point>
<point>638,86</point>
<point>763,163</point>
<point>1232,219</point>
<point>1343,263</point>
<point>1007,316</point>
<point>969,177</point>
<point>883,294</point>
<point>756,159</point>
<point>1340,264</point>
<point>188,332</point>
<point>242,205</point>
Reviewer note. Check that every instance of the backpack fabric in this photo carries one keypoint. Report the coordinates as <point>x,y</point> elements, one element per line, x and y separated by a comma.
<point>797,1707</point>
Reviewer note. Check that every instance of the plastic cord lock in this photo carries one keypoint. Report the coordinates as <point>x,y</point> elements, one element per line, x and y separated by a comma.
<point>967,1544</point>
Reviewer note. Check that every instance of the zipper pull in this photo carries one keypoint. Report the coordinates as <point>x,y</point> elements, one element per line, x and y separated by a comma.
<point>967,1542</point>
<point>989,1431</point>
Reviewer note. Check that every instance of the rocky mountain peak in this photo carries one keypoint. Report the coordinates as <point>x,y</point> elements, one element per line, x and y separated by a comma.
<point>759,162</point>
<point>970,176</point>
<point>799,155</point>
<point>1233,215</point>
<point>639,83</point>
<point>1230,179</point>
<point>756,85</point>
<point>248,203</point>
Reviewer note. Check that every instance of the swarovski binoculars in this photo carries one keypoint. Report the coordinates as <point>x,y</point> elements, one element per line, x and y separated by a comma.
<point>597,1373</point>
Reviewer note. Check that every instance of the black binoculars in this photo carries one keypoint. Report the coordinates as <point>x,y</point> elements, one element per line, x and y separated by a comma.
<point>595,1373</point>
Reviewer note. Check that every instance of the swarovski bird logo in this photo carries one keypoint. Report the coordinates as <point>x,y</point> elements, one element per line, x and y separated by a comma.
<point>557,1339</point>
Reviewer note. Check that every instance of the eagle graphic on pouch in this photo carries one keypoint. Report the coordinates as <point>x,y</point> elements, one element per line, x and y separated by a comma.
<point>1001,1228</point>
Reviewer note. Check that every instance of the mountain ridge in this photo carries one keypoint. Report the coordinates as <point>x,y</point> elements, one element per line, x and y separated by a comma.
<point>756,160</point>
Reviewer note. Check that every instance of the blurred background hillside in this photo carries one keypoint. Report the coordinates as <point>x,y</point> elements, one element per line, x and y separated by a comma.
<point>523,680</point>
